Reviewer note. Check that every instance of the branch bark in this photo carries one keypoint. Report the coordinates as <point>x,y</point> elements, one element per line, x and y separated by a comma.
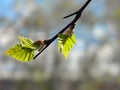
<point>78,16</point>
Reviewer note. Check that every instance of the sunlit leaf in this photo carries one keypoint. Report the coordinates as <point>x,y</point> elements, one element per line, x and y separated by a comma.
<point>66,43</point>
<point>26,42</point>
<point>24,51</point>
<point>21,53</point>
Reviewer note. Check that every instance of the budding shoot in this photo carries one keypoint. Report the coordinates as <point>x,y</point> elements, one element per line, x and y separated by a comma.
<point>39,44</point>
<point>70,30</point>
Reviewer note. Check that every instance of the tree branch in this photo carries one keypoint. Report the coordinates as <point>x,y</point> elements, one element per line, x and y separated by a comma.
<point>78,15</point>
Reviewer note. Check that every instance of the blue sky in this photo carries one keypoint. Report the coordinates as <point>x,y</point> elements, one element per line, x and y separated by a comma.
<point>98,7</point>
<point>7,10</point>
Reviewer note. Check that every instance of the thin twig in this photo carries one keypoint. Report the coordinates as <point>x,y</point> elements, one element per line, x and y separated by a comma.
<point>70,15</point>
<point>78,15</point>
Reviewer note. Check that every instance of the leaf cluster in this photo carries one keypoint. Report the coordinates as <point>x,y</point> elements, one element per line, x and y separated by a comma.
<point>24,51</point>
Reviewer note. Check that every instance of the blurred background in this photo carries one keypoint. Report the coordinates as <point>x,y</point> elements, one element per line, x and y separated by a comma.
<point>94,62</point>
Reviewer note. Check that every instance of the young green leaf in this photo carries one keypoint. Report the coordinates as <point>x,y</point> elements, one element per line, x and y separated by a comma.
<point>21,53</point>
<point>26,42</point>
<point>24,51</point>
<point>66,43</point>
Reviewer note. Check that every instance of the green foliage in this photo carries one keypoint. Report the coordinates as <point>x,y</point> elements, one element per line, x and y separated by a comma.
<point>20,53</point>
<point>24,51</point>
<point>66,43</point>
<point>26,42</point>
